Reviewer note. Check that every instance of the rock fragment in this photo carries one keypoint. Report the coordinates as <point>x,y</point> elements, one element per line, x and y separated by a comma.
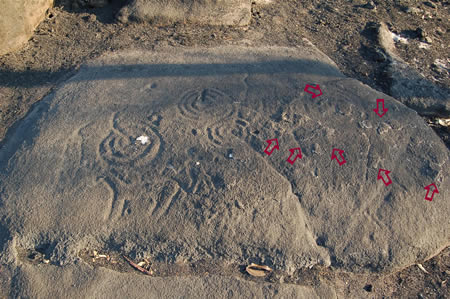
<point>421,33</point>
<point>430,4</point>
<point>407,84</point>
<point>413,10</point>
<point>370,5</point>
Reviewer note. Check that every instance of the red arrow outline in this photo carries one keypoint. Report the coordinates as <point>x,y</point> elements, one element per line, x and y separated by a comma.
<point>269,141</point>
<point>378,108</point>
<point>333,156</point>
<point>435,190</point>
<point>387,172</point>
<point>299,155</point>
<point>315,88</point>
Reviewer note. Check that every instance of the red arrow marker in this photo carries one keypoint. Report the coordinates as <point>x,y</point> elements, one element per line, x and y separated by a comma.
<point>333,156</point>
<point>428,188</point>
<point>316,88</point>
<point>299,155</point>
<point>381,177</point>
<point>377,111</point>
<point>273,148</point>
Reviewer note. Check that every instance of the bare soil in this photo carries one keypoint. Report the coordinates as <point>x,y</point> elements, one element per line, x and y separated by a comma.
<point>342,29</point>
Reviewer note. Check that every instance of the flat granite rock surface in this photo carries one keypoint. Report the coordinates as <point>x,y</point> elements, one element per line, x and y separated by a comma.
<point>166,154</point>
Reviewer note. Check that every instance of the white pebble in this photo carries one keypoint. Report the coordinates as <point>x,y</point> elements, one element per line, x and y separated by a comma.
<point>143,139</point>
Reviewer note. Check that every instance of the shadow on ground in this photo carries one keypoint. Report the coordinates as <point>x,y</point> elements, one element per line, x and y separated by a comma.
<point>105,10</point>
<point>22,79</point>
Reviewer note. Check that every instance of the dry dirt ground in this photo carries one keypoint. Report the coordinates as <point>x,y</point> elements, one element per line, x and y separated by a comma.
<point>342,29</point>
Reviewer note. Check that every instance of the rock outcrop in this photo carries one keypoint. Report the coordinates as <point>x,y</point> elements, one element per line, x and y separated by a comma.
<point>18,19</point>
<point>166,155</point>
<point>408,85</point>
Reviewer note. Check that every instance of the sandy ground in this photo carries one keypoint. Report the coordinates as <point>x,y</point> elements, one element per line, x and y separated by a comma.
<point>341,29</point>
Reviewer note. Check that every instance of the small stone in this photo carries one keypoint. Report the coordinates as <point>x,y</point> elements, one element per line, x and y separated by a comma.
<point>143,139</point>
<point>428,40</point>
<point>370,5</point>
<point>437,69</point>
<point>123,15</point>
<point>440,31</point>
<point>430,4</point>
<point>90,18</point>
<point>413,10</point>
<point>421,33</point>
<point>331,8</point>
<point>380,56</point>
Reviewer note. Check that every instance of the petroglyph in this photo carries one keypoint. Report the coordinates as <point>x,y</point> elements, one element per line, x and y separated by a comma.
<point>115,205</point>
<point>236,126</point>
<point>208,102</point>
<point>180,172</point>
<point>165,199</point>
<point>121,146</point>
